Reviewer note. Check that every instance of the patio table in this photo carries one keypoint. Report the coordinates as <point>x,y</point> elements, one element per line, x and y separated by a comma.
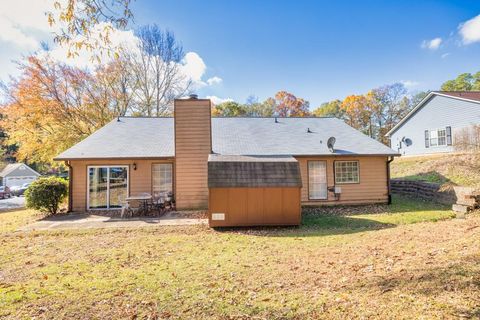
<point>143,199</point>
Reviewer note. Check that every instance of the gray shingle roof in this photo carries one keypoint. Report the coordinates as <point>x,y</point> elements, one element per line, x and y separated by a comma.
<point>253,171</point>
<point>128,138</point>
<point>154,137</point>
<point>12,167</point>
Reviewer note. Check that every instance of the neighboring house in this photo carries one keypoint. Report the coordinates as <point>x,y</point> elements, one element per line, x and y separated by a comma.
<point>248,171</point>
<point>432,125</point>
<point>16,174</point>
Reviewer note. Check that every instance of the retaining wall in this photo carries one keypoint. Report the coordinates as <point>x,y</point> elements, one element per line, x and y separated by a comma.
<point>429,191</point>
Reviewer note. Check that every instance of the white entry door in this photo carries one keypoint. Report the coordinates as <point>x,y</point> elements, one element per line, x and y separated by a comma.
<point>317,180</point>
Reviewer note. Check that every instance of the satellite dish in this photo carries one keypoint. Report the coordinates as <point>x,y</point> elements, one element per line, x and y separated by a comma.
<point>330,144</point>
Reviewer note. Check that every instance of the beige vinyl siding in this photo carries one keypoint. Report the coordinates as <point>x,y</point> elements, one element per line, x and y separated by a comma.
<point>140,180</point>
<point>371,189</point>
<point>193,144</point>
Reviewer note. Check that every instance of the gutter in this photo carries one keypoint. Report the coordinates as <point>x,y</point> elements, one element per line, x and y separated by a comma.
<point>70,185</point>
<point>389,160</point>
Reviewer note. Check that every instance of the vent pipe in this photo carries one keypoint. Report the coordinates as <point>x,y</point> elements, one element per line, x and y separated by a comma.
<point>193,96</point>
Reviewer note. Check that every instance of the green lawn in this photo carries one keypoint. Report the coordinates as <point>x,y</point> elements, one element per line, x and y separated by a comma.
<point>381,265</point>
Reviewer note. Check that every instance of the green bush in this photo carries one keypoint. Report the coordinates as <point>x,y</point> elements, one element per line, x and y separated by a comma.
<point>46,194</point>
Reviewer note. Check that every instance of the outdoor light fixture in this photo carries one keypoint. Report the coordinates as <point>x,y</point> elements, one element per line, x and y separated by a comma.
<point>134,166</point>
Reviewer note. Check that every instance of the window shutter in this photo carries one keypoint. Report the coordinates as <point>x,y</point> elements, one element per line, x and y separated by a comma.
<point>449,135</point>
<point>427,138</point>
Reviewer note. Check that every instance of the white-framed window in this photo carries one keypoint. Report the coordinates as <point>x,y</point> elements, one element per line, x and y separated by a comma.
<point>347,172</point>
<point>433,138</point>
<point>317,180</point>
<point>107,186</point>
<point>438,137</point>
<point>162,177</point>
<point>442,137</point>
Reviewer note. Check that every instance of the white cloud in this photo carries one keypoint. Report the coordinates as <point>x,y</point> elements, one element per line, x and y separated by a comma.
<point>214,80</point>
<point>11,33</point>
<point>445,55</point>
<point>409,83</point>
<point>118,39</point>
<point>194,67</point>
<point>433,44</point>
<point>21,19</point>
<point>470,30</point>
<point>218,100</point>
<point>24,26</point>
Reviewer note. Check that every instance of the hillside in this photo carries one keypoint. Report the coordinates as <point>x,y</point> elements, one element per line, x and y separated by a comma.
<point>452,169</point>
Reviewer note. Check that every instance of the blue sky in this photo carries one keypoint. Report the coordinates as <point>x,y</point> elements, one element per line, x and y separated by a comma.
<point>318,50</point>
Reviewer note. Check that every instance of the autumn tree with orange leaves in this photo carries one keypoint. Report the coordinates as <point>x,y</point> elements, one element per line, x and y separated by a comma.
<point>51,106</point>
<point>288,105</point>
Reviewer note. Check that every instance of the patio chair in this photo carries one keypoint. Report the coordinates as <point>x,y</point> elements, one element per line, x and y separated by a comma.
<point>158,203</point>
<point>129,210</point>
<point>170,201</point>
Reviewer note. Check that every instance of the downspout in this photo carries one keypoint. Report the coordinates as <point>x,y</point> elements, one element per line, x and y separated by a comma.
<point>389,159</point>
<point>70,185</point>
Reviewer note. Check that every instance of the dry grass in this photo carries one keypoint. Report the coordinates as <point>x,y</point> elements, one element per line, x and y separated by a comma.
<point>452,169</point>
<point>353,270</point>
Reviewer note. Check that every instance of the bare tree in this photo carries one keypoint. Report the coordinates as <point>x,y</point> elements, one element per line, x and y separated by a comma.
<point>119,82</point>
<point>467,139</point>
<point>158,71</point>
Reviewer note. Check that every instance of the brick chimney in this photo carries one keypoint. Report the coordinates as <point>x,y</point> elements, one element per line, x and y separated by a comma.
<point>193,144</point>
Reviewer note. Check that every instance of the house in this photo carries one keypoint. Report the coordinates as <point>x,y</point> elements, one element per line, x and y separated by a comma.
<point>431,127</point>
<point>247,171</point>
<point>16,174</point>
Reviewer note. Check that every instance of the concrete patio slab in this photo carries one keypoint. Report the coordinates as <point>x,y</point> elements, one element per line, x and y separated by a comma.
<point>89,221</point>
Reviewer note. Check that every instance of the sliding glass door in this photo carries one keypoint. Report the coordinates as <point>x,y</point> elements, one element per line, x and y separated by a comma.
<point>107,186</point>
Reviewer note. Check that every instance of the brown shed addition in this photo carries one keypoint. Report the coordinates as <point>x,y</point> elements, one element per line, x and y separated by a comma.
<point>253,190</point>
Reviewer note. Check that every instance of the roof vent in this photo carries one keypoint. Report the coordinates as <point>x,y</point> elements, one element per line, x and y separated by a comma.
<point>193,96</point>
<point>308,130</point>
<point>331,143</point>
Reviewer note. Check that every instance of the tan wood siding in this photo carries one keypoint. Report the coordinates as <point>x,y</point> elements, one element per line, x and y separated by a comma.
<point>192,147</point>
<point>371,189</point>
<point>140,180</point>
<point>255,206</point>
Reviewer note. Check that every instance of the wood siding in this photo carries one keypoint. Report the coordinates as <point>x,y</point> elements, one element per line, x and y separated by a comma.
<point>193,144</point>
<point>371,189</point>
<point>255,206</point>
<point>140,180</point>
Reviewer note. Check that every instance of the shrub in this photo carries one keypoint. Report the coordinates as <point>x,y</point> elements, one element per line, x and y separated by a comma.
<point>46,194</point>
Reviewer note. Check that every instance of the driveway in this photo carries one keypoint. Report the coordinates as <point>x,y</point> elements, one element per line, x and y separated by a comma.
<point>12,203</point>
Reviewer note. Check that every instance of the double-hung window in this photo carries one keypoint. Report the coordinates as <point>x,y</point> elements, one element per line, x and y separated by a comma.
<point>442,137</point>
<point>162,178</point>
<point>347,172</point>
<point>439,137</point>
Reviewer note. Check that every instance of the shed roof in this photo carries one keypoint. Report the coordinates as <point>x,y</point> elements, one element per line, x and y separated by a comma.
<point>253,171</point>
<point>154,138</point>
